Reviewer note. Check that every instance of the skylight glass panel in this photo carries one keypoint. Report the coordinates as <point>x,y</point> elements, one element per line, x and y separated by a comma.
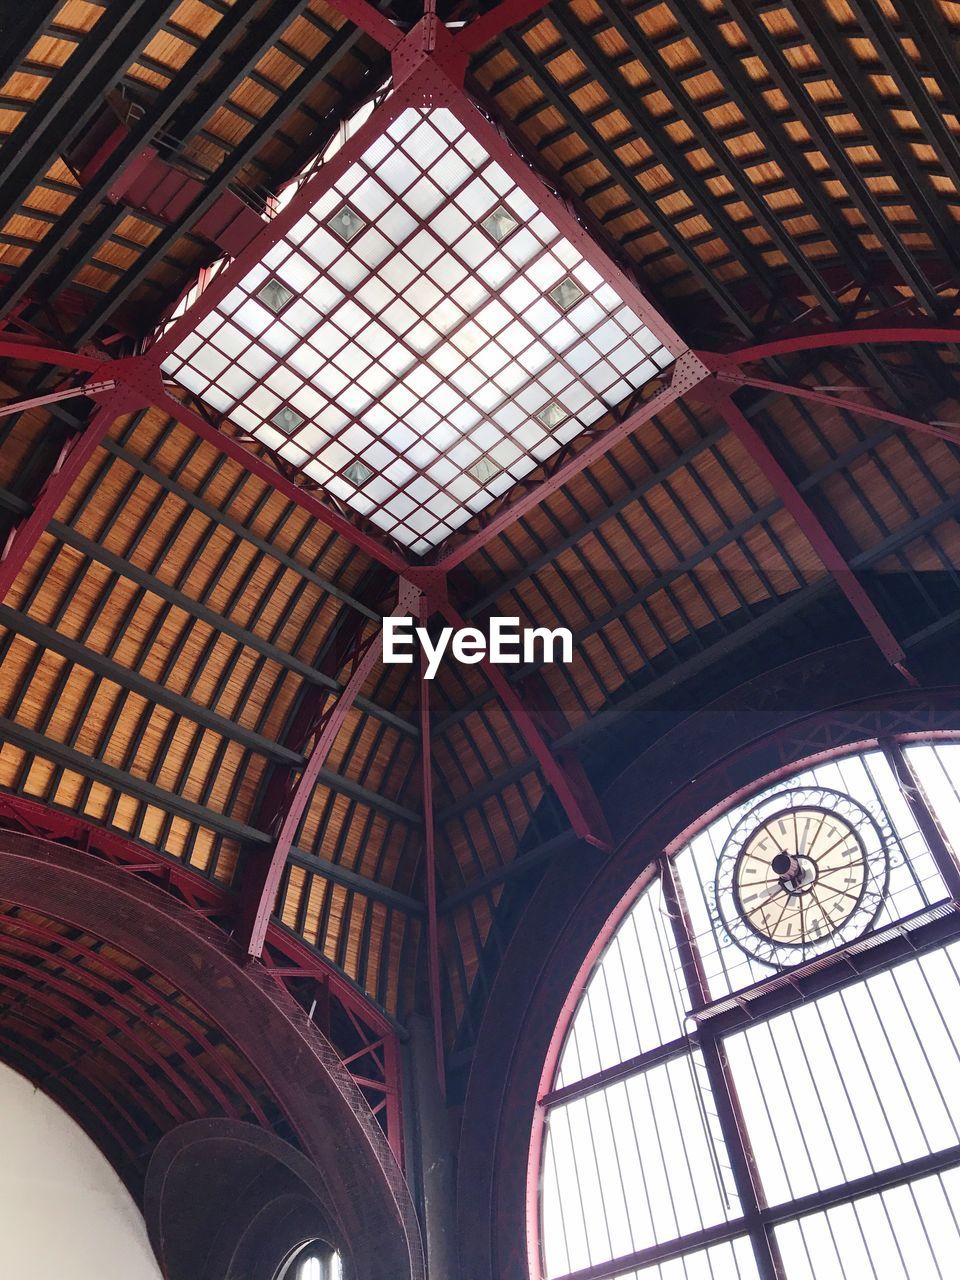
<point>287,419</point>
<point>423,331</point>
<point>346,223</point>
<point>566,293</point>
<point>275,295</point>
<point>484,469</point>
<point>551,415</point>
<point>358,473</point>
<point>500,223</point>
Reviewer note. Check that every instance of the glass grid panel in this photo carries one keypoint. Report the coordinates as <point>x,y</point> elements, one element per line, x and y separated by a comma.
<point>853,1083</point>
<point>732,1260</point>
<point>633,1165</point>
<point>905,1233</point>
<point>864,1079</point>
<point>634,1000</point>
<point>937,767</point>
<point>915,881</point>
<point>423,342</point>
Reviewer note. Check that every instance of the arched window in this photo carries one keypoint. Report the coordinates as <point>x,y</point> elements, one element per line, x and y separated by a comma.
<point>761,1079</point>
<point>312,1262</point>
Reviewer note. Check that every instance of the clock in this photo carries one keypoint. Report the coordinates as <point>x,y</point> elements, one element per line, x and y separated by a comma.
<point>804,871</point>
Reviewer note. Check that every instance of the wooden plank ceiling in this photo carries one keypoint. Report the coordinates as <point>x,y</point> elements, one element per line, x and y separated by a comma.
<point>761,167</point>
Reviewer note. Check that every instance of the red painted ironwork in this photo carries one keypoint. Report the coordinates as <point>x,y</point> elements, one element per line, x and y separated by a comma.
<point>863,407</point>
<point>363,15</point>
<point>74,456</point>
<point>553,772</point>
<point>296,1063</point>
<point>93,388</point>
<point>371,546</point>
<point>509,13</point>
<point>848,336</point>
<point>261,880</point>
<point>26,348</point>
<point>286,957</point>
<point>824,546</point>
<point>423,608</point>
<point>600,445</point>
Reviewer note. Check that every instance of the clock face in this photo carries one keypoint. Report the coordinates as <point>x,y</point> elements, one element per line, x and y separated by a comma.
<point>804,871</point>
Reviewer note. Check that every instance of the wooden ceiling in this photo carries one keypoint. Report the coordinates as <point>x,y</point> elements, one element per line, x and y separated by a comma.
<point>762,168</point>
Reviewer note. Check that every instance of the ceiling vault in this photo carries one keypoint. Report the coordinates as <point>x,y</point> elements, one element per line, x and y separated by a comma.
<point>761,205</point>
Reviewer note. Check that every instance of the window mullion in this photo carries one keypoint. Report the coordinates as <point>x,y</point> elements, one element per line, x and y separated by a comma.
<point>743,1165</point>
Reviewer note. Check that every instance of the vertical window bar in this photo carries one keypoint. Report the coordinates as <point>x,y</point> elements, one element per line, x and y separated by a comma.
<point>926,822</point>
<point>746,1180</point>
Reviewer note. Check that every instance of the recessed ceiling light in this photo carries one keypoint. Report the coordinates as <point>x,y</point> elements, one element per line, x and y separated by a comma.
<point>500,223</point>
<point>566,293</point>
<point>275,295</point>
<point>358,473</point>
<point>551,415</point>
<point>484,469</point>
<point>347,223</point>
<point>287,419</point>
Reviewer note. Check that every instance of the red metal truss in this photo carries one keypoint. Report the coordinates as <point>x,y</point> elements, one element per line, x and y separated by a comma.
<point>578,804</point>
<point>422,612</point>
<point>863,407</point>
<point>261,880</point>
<point>508,13</point>
<point>376,1065</point>
<point>74,456</point>
<point>821,542</point>
<point>233,448</point>
<point>847,336</point>
<point>600,445</point>
<point>470,38</point>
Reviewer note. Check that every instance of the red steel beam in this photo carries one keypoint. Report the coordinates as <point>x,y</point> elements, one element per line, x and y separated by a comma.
<point>598,447</point>
<point>424,609</point>
<point>824,546</point>
<point>509,13</point>
<point>363,15</point>
<point>75,455</point>
<point>261,880</point>
<point>54,397</point>
<point>850,336</point>
<point>263,470</point>
<point>12,348</point>
<point>833,401</point>
<point>553,771</point>
<point>39,819</point>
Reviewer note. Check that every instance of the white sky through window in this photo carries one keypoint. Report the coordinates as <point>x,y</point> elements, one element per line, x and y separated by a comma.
<point>854,1083</point>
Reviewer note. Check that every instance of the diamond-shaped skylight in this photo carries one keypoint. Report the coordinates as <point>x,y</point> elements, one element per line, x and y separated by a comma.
<point>484,469</point>
<point>347,223</point>
<point>566,293</point>
<point>551,415</point>
<point>275,295</point>
<point>500,223</point>
<point>287,419</point>
<point>357,473</point>
<point>436,317</point>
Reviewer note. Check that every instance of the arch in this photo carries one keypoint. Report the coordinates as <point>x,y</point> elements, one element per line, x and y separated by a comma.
<point>813,708</point>
<point>364,1188</point>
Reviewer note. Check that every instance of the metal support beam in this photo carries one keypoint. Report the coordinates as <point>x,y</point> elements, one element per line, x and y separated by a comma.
<point>508,13</point>
<point>73,458</point>
<point>412,595</point>
<point>326,515</point>
<point>261,879</point>
<point>834,401</point>
<point>824,546</point>
<point>601,444</point>
<point>577,799</point>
